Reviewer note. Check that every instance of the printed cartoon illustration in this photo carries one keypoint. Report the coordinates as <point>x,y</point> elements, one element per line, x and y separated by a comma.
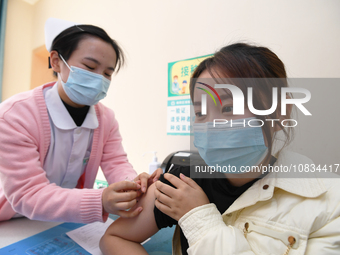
<point>184,85</point>
<point>175,85</point>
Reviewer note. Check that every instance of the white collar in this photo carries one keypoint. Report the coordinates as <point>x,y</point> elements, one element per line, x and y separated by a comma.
<point>60,116</point>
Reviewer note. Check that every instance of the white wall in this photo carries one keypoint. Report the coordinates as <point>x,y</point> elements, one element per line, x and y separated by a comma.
<point>18,48</point>
<point>305,34</point>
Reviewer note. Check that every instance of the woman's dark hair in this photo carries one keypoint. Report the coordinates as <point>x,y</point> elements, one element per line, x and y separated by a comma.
<point>243,61</point>
<point>67,41</point>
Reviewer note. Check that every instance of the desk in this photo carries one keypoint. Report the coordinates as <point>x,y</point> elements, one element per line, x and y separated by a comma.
<point>14,230</point>
<point>18,229</point>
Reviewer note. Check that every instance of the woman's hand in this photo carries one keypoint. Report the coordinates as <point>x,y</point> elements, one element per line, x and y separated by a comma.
<point>146,180</point>
<point>119,197</point>
<point>177,202</point>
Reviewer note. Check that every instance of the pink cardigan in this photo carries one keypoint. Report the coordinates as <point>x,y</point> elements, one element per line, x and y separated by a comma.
<point>25,136</point>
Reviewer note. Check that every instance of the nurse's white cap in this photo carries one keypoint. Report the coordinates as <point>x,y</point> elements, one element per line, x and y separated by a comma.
<point>53,27</point>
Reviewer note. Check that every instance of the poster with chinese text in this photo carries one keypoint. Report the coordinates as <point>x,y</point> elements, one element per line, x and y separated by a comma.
<point>179,74</point>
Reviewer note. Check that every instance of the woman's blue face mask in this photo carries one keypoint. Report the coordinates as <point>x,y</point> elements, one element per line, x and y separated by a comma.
<point>225,147</point>
<point>84,87</point>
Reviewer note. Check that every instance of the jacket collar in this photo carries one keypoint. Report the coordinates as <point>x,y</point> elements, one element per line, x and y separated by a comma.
<point>60,116</point>
<point>263,189</point>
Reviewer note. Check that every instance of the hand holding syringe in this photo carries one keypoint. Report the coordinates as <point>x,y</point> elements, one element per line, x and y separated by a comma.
<point>119,197</point>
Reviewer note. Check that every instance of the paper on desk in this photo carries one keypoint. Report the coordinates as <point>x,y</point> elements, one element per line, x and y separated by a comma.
<point>89,236</point>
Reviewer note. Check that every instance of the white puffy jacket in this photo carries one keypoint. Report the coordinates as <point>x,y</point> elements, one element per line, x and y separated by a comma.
<point>274,216</point>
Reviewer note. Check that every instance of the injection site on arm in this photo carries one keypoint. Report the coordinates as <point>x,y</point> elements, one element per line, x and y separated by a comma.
<point>125,234</point>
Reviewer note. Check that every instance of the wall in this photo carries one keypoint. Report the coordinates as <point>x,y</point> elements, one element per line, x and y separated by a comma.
<point>18,48</point>
<point>305,34</point>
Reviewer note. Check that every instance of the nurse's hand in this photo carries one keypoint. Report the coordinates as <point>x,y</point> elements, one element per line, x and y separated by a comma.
<point>146,180</point>
<point>121,196</point>
<point>177,202</point>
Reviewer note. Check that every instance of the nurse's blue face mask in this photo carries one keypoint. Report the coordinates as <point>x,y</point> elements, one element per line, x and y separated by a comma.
<point>84,87</point>
<point>238,146</point>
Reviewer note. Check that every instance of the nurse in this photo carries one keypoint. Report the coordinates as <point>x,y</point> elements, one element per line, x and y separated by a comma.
<point>237,212</point>
<point>56,136</point>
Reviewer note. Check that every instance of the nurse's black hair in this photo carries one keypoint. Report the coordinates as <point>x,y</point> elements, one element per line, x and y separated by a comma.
<point>67,41</point>
<point>243,61</point>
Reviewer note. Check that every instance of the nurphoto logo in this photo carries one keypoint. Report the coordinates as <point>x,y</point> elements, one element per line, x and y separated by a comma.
<point>238,103</point>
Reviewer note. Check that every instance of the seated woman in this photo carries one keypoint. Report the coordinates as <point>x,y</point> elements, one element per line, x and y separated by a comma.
<point>258,212</point>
